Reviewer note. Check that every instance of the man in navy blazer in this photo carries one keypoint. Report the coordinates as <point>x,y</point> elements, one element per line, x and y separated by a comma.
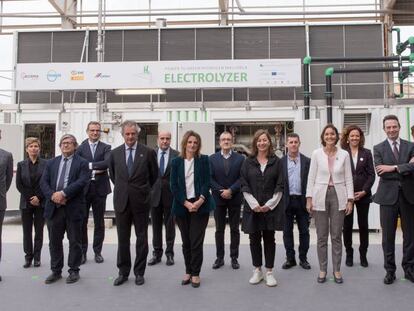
<point>97,154</point>
<point>63,182</point>
<point>225,168</point>
<point>295,174</point>
<point>395,196</point>
<point>161,201</point>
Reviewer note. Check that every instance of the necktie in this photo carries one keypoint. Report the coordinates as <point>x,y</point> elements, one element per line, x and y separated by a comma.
<point>61,181</point>
<point>162,163</point>
<point>395,151</point>
<point>130,162</point>
<point>93,150</point>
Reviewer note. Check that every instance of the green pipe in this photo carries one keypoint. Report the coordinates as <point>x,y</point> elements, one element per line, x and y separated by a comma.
<point>307,60</point>
<point>329,71</point>
<point>411,40</point>
<point>411,57</point>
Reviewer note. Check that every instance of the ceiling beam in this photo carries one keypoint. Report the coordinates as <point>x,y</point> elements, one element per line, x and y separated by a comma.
<point>67,9</point>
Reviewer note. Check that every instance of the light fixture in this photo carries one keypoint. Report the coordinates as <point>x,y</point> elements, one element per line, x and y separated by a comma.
<point>140,92</point>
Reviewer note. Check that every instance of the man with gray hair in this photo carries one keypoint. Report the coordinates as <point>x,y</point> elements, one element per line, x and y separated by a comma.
<point>63,182</point>
<point>133,169</point>
<point>6,176</point>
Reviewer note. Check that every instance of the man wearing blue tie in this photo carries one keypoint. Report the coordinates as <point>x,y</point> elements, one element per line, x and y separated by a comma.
<point>161,201</point>
<point>63,182</point>
<point>97,154</point>
<point>133,169</point>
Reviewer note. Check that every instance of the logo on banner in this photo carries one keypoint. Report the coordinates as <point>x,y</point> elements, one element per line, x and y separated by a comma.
<point>26,76</point>
<point>52,75</point>
<point>101,75</point>
<point>76,75</point>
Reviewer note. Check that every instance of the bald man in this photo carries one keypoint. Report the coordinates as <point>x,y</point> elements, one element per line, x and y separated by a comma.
<point>161,200</point>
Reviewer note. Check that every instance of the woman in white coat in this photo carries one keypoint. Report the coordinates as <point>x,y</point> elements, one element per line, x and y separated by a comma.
<point>329,197</point>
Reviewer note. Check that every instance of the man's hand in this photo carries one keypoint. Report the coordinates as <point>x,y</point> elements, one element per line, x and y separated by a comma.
<point>226,194</point>
<point>58,198</point>
<point>34,200</point>
<point>359,195</point>
<point>265,208</point>
<point>381,169</point>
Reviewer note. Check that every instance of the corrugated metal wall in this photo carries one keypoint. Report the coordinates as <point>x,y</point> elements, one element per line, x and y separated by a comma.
<point>212,43</point>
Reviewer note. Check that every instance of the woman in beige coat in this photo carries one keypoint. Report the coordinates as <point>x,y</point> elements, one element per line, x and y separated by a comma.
<point>329,197</point>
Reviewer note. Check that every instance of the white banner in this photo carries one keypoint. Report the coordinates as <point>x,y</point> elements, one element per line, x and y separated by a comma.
<point>162,74</point>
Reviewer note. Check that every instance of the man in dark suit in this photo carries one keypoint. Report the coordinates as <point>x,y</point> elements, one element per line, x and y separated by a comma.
<point>133,169</point>
<point>395,196</point>
<point>295,174</point>
<point>161,201</point>
<point>225,168</point>
<point>6,176</point>
<point>63,183</point>
<point>97,154</point>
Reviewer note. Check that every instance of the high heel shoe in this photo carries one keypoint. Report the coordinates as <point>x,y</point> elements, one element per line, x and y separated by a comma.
<point>321,279</point>
<point>338,280</point>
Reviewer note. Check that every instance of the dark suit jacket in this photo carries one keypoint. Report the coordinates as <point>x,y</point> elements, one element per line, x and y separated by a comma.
<point>363,174</point>
<point>136,188</point>
<point>99,162</point>
<point>201,185</point>
<point>162,184</point>
<point>304,171</point>
<point>6,176</point>
<point>24,184</point>
<point>220,180</point>
<point>388,187</point>
<point>78,179</point>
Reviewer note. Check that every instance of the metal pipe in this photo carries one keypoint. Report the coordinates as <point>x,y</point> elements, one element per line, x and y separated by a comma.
<point>358,59</point>
<point>306,92</point>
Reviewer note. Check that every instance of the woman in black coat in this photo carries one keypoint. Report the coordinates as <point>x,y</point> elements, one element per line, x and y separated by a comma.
<point>363,177</point>
<point>262,188</point>
<point>28,177</point>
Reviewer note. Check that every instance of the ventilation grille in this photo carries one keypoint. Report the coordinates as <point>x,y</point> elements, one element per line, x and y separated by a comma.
<point>363,120</point>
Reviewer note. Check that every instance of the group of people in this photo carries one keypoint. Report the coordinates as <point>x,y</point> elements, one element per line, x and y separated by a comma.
<point>183,187</point>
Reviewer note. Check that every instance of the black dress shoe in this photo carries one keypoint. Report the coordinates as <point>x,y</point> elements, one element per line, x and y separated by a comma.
<point>36,263</point>
<point>73,277</point>
<point>186,282</point>
<point>338,280</point>
<point>349,261</point>
<point>289,264</point>
<point>305,264</point>
<point>27,264</point>
<point>53,278</point>
<point>139,280</point>
<point>364,261</point>
<point>389,278</point>
<point>218,263</point>
<point>0,278</point>
<point>409,277</point>
<point>121,279</point>
<point>235,264</point>
<point>99,258</point>
<point>83,260</point>
<point>195,284</point>
<point>154,260</point>
<point>170,260</point>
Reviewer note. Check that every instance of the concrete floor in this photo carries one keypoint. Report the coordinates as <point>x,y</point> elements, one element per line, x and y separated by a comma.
<point>223,289</point>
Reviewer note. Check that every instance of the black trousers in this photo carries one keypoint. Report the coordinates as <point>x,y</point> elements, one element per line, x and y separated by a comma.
<point>193,228</point>
<point>32,216</point>
<point>234,222</point>
<point>362,212</point>
<point>389,216</point>
<point>124,221</point>
<point>269,246</point>
<point>98,204</point>
<point>57,226</point>
<point>162,215</point>
<point>1,227</point>
<point>296,209</point>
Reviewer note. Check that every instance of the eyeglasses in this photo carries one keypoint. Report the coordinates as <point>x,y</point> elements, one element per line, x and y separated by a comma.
<point>67,143</point>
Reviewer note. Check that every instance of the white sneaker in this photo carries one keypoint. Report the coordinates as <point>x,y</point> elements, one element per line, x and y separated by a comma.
<point>270,279</point>
<point>257,277</point>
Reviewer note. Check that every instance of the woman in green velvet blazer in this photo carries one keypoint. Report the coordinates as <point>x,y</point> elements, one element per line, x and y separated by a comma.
<point>190,186</point>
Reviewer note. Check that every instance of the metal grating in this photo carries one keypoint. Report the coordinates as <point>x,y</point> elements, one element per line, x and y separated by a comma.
<point>140,45</point>
<point>213,43</point>
<point>67,46</point>
<point>404,19</point>
<point>363,120</point>
<point>177,44</point>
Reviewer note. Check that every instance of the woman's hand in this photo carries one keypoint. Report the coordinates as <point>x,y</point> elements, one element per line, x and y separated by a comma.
<point>309,205</point>
<point>34,200</point>
<point>349,207</point>
<point>265,208</point>
<point>257,209</point>
<point>190,206</point>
